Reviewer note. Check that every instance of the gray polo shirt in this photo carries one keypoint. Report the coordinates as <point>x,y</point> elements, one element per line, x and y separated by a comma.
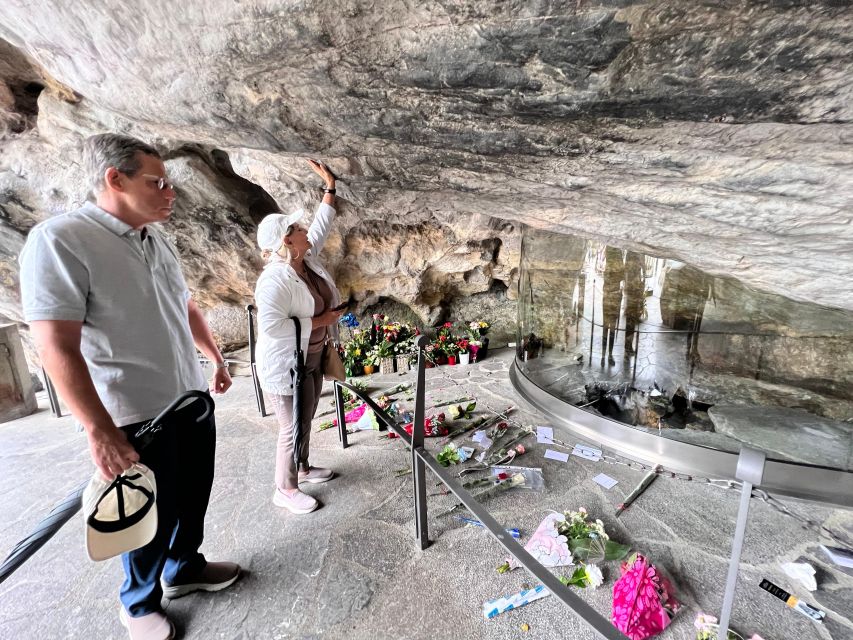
<point>130,295</point>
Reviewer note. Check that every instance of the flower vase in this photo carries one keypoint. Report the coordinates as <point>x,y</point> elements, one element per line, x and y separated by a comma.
<point>442,359</point>
<point>484,350</point>
<point>386,366</point>
<point>475,348</point>
<point>451,360</point>
<point>354,370</point>
<point>464,358</point>
<point>369,369</point>
<point>402,363</point>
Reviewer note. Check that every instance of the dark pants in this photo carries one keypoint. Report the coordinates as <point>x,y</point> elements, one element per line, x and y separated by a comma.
<point>181,457</point>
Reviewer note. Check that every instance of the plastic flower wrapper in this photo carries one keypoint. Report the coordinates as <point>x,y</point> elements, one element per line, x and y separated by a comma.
<point>498,486</point>
<point>433,427</point>
<point>586,575</point>
<point>546,545</point>
<point>643,600</point>
<point>367,422</point>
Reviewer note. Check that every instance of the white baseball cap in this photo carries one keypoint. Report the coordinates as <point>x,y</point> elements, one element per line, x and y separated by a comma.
<point>120,515</point>
<point>272,228</point>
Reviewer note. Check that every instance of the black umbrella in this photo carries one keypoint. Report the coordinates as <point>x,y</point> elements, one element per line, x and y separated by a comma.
<point>298,381</point>
<point>72,503</point>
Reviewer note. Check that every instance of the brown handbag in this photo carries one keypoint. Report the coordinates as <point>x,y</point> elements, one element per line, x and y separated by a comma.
<point>333,366</point>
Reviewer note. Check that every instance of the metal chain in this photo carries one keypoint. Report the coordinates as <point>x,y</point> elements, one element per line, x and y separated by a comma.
<point>721,483</point>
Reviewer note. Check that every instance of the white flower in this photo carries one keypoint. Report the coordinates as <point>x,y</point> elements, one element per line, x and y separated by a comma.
<point>593,577</point>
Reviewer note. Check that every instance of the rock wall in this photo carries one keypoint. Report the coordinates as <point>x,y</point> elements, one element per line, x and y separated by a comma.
<point>718,134</point>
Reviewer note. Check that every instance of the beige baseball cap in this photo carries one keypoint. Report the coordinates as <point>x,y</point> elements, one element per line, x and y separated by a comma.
<point>120,515</point>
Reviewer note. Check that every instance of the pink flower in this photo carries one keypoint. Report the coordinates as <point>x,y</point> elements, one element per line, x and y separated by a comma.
<point>520,449</point>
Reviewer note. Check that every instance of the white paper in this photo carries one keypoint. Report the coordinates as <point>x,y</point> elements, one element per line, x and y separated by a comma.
<point>803,572</point>
<point>605,481</point>
<point>478,436</point>
<point>586,452</point>
<point>544,435</point>
<point>485,442</point>
<point>556,455</point>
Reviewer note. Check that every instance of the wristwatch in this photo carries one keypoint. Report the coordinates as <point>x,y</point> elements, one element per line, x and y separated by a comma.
<point>221,365</point>
<point>329,190</point>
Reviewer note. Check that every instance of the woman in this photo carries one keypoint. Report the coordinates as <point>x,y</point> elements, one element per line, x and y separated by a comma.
<point>295,284</point>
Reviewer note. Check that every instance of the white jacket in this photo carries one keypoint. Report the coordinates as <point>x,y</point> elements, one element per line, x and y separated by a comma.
<point>281,294</point>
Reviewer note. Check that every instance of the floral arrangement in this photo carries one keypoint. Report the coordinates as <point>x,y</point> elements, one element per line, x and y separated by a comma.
<point>393,338</point>
<point>643,600</point>
<point>587,539</point>
<point>478,328</point>
<point>433,427</point>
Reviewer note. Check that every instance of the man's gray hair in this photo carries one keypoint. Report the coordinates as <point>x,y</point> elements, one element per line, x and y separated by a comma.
<point>105,150</point>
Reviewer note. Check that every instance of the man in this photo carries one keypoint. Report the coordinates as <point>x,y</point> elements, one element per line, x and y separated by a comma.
<point>117,332</point>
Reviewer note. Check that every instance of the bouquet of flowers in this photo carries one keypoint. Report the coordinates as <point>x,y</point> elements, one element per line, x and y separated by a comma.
<point>433,427</point>
<point>588,540</point>
<point>643,600</point>
<point>478,328</point>
<point>463,345</point>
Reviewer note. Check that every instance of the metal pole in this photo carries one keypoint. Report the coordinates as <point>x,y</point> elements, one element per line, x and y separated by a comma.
<point>52,398</point>
<point>341,415</point>
<point>750,470</point>
<point>259,392</point>
<point>418,469</point>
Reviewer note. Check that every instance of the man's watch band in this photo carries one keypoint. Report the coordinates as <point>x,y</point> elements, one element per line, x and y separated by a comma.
<point>221,365</point>
<point>329,190</point>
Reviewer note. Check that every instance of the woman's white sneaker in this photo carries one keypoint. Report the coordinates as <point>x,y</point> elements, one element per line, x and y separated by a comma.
<point>297,502</point>
<point>316,475</point>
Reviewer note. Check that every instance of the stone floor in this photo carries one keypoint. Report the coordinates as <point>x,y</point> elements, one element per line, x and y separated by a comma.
<point>351,569</point>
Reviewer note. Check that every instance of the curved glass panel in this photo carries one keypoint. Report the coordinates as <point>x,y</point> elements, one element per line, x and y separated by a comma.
<point>671,350</point>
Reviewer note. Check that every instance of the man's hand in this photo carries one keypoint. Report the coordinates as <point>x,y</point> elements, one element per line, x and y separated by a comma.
<point>221,381</point>
<point>111,452</point>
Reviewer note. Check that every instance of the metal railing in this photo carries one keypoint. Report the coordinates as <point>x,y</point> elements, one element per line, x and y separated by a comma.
<point>421,459</point>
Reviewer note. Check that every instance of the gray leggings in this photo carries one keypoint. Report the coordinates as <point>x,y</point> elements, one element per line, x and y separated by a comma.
<point>285,469</point>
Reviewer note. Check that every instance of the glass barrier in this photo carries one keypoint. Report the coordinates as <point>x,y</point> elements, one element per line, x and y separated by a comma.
<point>668,349</point>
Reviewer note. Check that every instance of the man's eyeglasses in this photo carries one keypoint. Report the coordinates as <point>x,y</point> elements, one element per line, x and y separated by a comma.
<point>162,183</point>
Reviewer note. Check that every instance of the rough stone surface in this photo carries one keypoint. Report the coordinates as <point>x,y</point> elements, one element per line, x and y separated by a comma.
<point>352,569</point>
<point>717,134</point>
<point>793,434</point>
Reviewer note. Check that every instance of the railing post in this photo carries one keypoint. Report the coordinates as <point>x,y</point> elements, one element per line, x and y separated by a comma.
<point>750,471</point>
<point>341,414</point>
<point>418,468</point>
<point>52,398</point>
<point>259,392</point>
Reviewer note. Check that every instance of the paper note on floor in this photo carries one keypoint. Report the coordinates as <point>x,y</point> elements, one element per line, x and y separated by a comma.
<point>556,455</point>
<point>605,481</point>
<point>478,436</point>
<point>586,452</point>
<point>545,435</point>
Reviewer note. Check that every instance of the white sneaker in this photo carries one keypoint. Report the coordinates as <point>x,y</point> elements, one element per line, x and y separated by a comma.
<point>316,475</point>
<point>154,626</point>
<point>298,502</point>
